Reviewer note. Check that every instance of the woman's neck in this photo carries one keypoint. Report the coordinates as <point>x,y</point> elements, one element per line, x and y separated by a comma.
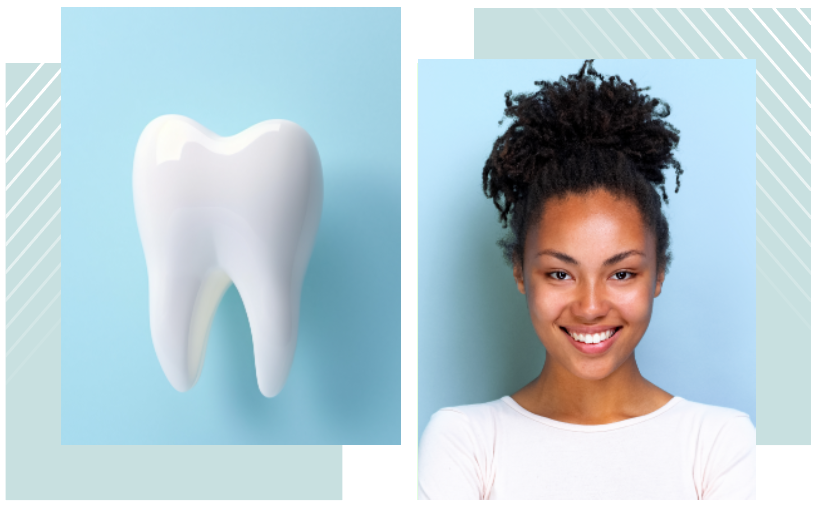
<point>560,395</point>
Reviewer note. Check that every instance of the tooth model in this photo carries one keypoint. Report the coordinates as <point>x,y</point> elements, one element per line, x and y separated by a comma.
<point>214,210</point>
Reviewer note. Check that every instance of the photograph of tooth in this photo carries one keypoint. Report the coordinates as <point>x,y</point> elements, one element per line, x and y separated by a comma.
<point>231,227</point>
<point>215,210</point>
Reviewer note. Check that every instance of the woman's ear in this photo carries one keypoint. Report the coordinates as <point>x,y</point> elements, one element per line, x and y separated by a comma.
<point>519,277</point>
<point>660,278</point>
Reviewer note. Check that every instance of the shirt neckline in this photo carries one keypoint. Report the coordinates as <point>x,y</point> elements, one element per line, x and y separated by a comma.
<point>591,428</point>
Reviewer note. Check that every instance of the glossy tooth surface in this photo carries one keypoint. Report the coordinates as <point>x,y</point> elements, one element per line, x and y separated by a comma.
<point>214,210</point>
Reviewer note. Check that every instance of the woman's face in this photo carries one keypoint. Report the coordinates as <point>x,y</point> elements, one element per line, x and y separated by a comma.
<point>589,274</point>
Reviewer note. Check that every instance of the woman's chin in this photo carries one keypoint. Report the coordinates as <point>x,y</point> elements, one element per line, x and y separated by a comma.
<point>593,371</point>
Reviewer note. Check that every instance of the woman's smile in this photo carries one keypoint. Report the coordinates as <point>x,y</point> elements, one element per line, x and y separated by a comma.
<point>594,343</point>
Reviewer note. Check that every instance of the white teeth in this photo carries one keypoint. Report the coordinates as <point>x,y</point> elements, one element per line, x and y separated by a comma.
<point>593,338</point>
<point>214,210</point>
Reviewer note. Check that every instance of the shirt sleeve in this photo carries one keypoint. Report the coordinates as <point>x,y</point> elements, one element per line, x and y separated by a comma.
<point>731,466</point>
<point>449,465</point>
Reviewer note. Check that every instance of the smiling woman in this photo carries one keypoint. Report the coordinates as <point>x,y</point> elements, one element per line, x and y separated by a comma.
<point>578,177</point>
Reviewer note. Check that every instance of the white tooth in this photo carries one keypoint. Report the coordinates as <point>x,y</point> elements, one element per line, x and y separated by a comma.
<point>589,339</point>
<point>214,210</point>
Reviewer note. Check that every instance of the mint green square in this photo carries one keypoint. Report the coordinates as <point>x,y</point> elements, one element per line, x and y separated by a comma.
<point>37,466</point>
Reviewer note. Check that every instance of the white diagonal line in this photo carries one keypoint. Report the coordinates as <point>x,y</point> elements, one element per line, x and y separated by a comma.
<point>33,240</point>
<point>783,269</point>
<point>32,185</point>
<point>580,33</point>
<point>799,259</point>
<point>603,33</point>
<point>33,212</point>
<point>698,32</point>
<point>32,352</point>
<point>783,213</point>
<point>650,32</point>
<point>791,28</point>
<point>803,15</point>
<point>768,57</point>
<point>32,297</point>
<point>782,156</point>
<point>32,130</point>
<point>555,33</point>
<point>783,102</point>
<point>674,31</point>
<point>783,185</point>
<point>780,43</point>
<point>33,268</point>
<point>33,101</point>
<point>628,33</point>
<point>24,85</point>
<point>783,129</point>
<point>723,33</point>
<point>33,156</point>
<point>802,319</point>
<point>33,323</point>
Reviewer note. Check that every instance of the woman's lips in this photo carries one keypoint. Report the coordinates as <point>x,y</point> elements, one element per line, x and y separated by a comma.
<point>593,349</point>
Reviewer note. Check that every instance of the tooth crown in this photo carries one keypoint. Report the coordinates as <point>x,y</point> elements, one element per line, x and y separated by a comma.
<point>214,210</point>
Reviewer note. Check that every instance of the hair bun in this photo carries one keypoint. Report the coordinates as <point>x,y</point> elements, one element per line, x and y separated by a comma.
<point>584,113</point>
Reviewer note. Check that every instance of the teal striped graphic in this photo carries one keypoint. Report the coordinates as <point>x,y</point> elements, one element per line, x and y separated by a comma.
<point>780,41</point>
<point>32,213</point>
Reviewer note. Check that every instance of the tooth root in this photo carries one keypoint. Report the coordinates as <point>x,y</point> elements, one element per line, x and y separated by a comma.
<point>182,306</point>
<point>273,315</point>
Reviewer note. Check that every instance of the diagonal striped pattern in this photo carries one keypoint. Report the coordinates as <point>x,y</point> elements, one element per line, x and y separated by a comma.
<point>33,213</point>
<point>780,41</point>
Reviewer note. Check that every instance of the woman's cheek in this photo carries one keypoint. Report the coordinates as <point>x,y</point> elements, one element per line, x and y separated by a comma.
<point>634,303</point>
<point>545,306</point>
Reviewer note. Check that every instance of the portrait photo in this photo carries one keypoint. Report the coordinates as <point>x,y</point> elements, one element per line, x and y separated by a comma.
<point>492,144</point>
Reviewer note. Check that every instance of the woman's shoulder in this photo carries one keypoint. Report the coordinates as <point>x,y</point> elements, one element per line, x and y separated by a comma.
<point>471,419</point>
<point>456,457</point>
<point>709,415</point>
<point>478,411</point>
<point>719,431</point>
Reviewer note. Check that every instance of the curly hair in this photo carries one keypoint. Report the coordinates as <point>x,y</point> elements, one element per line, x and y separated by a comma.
<point>578,134</point>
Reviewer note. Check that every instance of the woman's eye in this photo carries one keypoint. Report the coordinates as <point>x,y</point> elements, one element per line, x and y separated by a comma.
<point>623,275</point>
<point>559,275</point>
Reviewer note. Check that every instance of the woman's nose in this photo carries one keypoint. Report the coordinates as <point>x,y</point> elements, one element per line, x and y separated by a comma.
<point>591,302</point>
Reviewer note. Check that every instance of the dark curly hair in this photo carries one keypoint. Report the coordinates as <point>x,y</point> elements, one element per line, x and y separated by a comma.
<point>578,134</point>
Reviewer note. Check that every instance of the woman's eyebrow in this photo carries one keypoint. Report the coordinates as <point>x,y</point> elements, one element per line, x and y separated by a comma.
<point>559,255</point>
<point>570,260</point>
<point>622,255</point>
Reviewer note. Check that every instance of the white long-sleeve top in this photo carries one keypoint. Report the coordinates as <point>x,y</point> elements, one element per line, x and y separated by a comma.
<point>499,450</point>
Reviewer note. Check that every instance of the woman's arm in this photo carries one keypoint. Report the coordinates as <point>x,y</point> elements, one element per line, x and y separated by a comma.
<point>730,471</point>
<point>450,462</point>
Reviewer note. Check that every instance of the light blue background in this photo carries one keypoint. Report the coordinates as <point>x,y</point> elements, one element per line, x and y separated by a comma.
<point>476,341</point>
<point>336,72</point>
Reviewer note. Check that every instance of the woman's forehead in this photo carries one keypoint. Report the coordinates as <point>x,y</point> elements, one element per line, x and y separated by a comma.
<point>587,222</point>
